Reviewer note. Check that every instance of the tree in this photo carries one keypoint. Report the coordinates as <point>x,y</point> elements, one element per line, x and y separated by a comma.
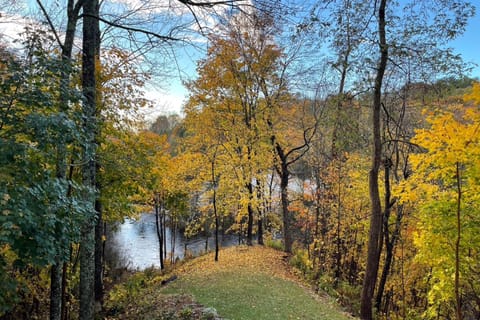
<point>376,222</point>
<point>229,96</point>
<point>445,186</point>
<point>36,124</point>
<point>90,56</point>
<point>291,135</point>
<point>398,47</point>
<point>57,288</point>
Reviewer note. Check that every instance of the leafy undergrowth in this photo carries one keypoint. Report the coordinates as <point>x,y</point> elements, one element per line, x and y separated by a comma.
<point>246,283</point>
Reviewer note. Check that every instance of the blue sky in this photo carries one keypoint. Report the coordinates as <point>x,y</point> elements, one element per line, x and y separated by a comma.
<point>171,98</point>
<point>468,45</point>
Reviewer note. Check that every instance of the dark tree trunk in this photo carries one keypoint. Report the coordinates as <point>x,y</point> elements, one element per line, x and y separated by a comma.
<point>458,297</point>
<point>390,240</point>
<point>173,237</point>
<point>87,270</point>
<point>376,221</point>
<point>64,291</point>
<point>250,215</point>
<point>320,226</point>
<point>240,233</point>
<point>338,254</point>
<point>99,236</point>
<point>163,225</point>
<point>64,309</point>
<point>286,216</point>
<point>158,224</point>
<point>260,195</point>
<point>260,230</point>
<point>315,253</point>
<point>215,213</point>
<point>284,173</point>
<point>389,246</point>
<point>340,102</point>
<point>56,291</point>
<point>87,246</point>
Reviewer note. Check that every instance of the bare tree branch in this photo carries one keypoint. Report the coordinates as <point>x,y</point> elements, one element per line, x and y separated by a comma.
<point>133,29</point>
<point>210,4</point>
<point>55,33</point>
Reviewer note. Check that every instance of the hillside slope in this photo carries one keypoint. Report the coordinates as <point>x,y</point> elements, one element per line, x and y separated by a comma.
<point>246,283</point>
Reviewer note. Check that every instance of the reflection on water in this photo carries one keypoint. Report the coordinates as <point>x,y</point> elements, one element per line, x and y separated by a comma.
<point>134,244</point>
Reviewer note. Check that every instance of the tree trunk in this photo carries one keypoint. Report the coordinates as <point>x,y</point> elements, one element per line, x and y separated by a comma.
<point>340,102</point>
<point>163,225</point>
<point>173,229</point>
<point>260,230</point>
<point>320,226</point>
<point>215,213</point>
<point>250,215</point>
<point>458,299</point>
<point>287,220</point>
<point>56,291</point>
<point>315,253</point>
<point>99,236</point>
<point>240,232</point>
<point>87,245</point>
<point>376,221</point>
<point>87,271</point>
<point>390,241</point>
<point>64,291</point>
<point>338,254</point>
<point>260,195</point>
<point>158,223</point>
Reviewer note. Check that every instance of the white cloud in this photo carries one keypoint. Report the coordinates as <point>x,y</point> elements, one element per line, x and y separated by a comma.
<point>164,103</point>
<point>11,28</point>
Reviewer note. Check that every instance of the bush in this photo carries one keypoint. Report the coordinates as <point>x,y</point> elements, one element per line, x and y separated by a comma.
<point>349,296</point>
<point>301,261</point>
<point>344,293</point>
<point>186,313</point>
<point>129,290</point>
<point>275,244</point>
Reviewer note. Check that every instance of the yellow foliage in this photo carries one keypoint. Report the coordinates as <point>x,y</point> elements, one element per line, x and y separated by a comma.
<point>452,138</point>
<point>251,259</point>
<point>444,186</point>
<point>474,95</point>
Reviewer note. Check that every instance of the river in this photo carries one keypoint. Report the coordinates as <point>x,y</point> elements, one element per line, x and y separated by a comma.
<point>134,244</point>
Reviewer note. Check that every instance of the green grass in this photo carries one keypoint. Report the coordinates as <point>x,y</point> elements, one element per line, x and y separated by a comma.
<point>247,295</point>
<point>247,283</point>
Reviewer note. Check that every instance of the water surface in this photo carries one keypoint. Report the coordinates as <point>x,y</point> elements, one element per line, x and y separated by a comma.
<point>134,244</point>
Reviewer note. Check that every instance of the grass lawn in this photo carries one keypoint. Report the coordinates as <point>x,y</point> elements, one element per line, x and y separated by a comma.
<point>247,283</point>
<point>252,283</point>
<point>245,296</point>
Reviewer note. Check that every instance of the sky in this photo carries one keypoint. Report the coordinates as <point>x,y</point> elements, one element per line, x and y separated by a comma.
<point>467,45</point>
<point>172,94</point>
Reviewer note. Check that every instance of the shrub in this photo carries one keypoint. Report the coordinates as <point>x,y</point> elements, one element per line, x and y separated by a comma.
<point>275,244</point>
<point>301,261</point>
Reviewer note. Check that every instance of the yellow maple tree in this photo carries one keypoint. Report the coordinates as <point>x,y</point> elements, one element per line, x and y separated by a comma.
<point>445,186</point>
